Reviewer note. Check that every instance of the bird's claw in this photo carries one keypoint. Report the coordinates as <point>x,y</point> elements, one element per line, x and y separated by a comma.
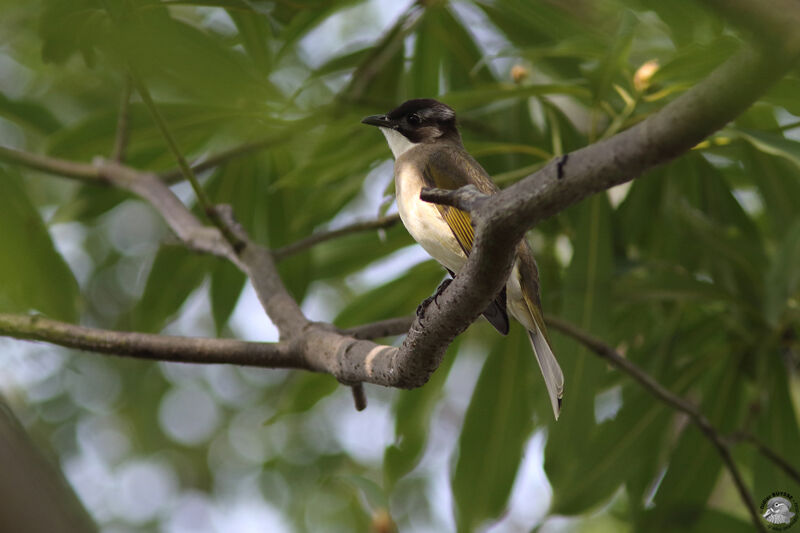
<point>427,301</point>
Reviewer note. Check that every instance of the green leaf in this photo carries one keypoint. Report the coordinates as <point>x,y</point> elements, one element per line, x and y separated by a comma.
<point>35,276</point>
<point>776,426</point>
<point>656,521</point>
<point>615,61</point>
<point>619,450</point>
<point>694,62</point>
<point>255,34</point>
<point>67,27</point>
<point>424,73</point>
<point>302,391</point>
<point>783,277</point>
<point>28,114</point>
<point>586,300</point>
<point>772,144</point>
<point>397,297</point>
<point>496,426</point>
<point>89,203</point>
<point>695,463</point>
<point>486,94</point>
<point>339,257</point>
<point>304,19</point>
<point>784,93</point>
<point>778,184</point>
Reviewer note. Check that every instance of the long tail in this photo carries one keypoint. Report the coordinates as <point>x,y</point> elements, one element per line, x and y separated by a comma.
<point>551,371</point>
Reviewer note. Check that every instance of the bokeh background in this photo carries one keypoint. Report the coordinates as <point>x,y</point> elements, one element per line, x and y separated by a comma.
<point>692,272</point>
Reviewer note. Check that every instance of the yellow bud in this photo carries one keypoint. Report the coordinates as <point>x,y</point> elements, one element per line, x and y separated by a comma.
<point>519,73</point>
<point>382,522</point>
<point>641,80</point>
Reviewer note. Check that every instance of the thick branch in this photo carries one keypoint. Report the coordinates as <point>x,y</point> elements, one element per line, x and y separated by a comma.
<point>383,328</point>
<point>501,222</point>
<point>504,218</point>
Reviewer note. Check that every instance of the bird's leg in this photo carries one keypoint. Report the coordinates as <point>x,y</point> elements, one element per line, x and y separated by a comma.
<point>427,301</point>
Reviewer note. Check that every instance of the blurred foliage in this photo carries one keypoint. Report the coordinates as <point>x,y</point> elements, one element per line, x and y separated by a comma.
<point>693,271</point>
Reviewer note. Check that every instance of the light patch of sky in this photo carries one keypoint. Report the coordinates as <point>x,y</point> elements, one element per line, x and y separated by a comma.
<point>750,200</point>
<point>785,118</point>
<point>531,494</point>
<point>436,463</point>
<point>363,434</point>
<point>349,29</point>
<point>488,39</point>
<point>607,404</point>
<point>194,318</point>
<point>68,239</point>
<point>249,322</point>
<point>389,267</point>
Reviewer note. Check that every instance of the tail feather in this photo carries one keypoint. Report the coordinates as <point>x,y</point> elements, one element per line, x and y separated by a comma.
<point>551,371</point>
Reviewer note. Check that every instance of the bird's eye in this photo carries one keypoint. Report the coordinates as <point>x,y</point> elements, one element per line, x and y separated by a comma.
<point>414,119</point>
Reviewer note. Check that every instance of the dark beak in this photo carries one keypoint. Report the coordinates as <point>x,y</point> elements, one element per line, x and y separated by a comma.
<point>377,120</point>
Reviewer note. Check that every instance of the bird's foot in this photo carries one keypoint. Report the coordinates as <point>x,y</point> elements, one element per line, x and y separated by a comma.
<point>427,301</point>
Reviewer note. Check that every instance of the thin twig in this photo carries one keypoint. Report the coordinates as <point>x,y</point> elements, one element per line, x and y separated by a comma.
<point>766,451</point>
<point>222,157</point>
<point>467,198</point>
<point>359,397</point>
<point>202,197</point>
<point>316,238</point>
<point>662,393</point>
<point>123,129</point>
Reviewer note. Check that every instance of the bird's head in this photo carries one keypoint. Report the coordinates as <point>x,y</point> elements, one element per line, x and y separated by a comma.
<point>419,121</point>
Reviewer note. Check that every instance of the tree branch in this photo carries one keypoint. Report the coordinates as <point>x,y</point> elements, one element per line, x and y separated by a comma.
<point>766,451</point>
<point>149,346</point>
<point>222,157</point>
<point>501,222</point>
<point>202,197</point>
<point>662,393</point>
<point>383,328</point>
<point>317,238</point>
<point>51,165</point>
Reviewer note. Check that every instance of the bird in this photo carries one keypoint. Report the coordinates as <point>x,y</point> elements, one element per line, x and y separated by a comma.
<point>779,511</point>
<point>424,139</point>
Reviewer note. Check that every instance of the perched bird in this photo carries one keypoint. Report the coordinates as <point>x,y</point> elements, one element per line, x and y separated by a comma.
<point>424,139</point>
<point>779,511</point>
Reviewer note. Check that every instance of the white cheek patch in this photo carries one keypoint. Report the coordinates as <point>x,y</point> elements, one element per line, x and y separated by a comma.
<point>397,142</point>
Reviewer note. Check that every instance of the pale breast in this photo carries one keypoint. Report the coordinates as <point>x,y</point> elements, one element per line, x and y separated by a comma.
<point>422,219</point>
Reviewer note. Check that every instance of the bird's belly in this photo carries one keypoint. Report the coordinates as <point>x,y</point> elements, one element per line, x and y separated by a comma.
<point>423,221</point>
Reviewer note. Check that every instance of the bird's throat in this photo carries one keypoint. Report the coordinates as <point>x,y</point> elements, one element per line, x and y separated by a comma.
<point>397,142</point>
